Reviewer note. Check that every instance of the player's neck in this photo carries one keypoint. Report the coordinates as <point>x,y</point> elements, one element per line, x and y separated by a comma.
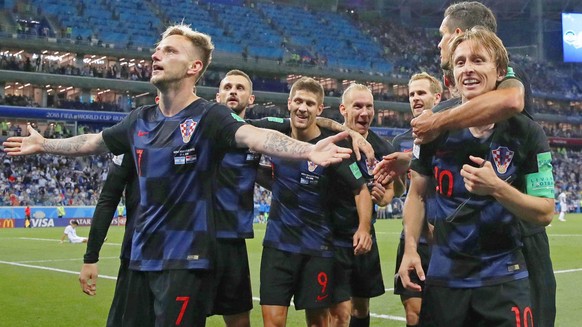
<point>172,101</point>
<point>306,134</point>
<point>482,132</point>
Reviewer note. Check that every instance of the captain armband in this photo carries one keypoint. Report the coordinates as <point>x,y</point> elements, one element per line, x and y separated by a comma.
<point>276,120</point>
<point>541,184</point>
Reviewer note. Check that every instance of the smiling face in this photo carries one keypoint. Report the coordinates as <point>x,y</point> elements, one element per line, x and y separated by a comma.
<point>421,97</point>
<point>173,61</point>
<point>235,92</point>
<point>304,108</point>
<point>358,110</point>
<point>475,69</point>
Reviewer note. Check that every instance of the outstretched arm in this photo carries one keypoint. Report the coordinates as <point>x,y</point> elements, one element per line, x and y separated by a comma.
<point>275,144</point>
<point>491,107</point>
<point>484,181</point>
<point>358,141</point>
<point>392,165</point>
<point>80,145</point>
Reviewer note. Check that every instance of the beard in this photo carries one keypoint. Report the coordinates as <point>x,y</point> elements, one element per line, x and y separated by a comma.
<point>238,108</point>
<point>167,80</point>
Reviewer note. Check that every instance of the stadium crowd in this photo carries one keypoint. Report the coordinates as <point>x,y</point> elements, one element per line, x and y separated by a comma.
<point>46,180</point>
<point>557,97</point>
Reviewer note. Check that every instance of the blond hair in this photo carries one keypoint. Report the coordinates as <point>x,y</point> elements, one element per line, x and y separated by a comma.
<point>488,40</point>
<point>202,42</point>
<point>435,84</point>
<point>355,87</point>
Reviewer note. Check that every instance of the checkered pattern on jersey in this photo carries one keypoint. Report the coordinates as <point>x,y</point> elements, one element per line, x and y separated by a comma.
<point>404,141</point>
<point>344,212</point>
<point>175,159</point>
<point>233,196</point>
<point>235,182</point>
<point>299,219</point>
<point>480,244</point>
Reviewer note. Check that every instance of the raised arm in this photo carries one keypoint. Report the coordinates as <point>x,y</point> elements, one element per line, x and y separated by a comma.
<point>275,144</point>
<point>80,145</point>
<point>491,107</point>
<point>358,141</point>
<point>392,165</point>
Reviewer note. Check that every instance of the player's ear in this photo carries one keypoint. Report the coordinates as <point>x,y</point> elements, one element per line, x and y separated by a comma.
<point>342,109</point>
<point>195,67</point>
<point>501,74</point>
<point>319,109</point>
<point>437,98</point>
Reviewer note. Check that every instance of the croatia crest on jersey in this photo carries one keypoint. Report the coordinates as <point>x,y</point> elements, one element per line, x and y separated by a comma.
<point>370,167</point>
<point>311,166</point>
<point>502,157</point>
<point>187,129</point>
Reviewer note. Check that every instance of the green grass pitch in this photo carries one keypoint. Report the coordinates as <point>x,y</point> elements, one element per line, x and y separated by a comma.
<point>39,277</point>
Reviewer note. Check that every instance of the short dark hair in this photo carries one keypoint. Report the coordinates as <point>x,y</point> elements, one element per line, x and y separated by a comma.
<point>74,222</point>
<point>468,14</point>
<point>237,72</point>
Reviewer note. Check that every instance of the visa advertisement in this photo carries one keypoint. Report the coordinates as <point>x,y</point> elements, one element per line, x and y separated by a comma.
<point>14,217</point>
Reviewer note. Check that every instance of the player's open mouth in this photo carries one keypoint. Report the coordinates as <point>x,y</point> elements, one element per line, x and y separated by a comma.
<point>470,82</point>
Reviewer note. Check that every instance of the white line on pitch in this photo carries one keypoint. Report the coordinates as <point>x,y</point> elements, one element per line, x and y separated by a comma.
<point>55,240</point>
<point>52,269</point>
<point>567,271</point>
<point>59,260</point>
<point>390,317</point>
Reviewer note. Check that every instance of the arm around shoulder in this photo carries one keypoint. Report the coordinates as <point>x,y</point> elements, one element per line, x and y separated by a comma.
<point>488,108</point>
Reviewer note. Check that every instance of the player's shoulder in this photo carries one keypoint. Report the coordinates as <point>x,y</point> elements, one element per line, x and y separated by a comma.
<point>381,146</point>
<point>525,123</point>
<point>447,104</point>
<point>324,132</point>
<point>144,109</point>
<point>406,135</point>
